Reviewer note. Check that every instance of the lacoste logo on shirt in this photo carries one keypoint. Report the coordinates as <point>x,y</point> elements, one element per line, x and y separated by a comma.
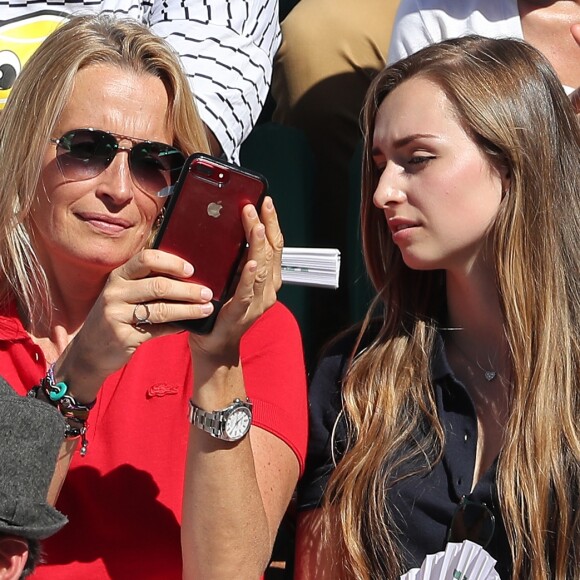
<point>162,389</point>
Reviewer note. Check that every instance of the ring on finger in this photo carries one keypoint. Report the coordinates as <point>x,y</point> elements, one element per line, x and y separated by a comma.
<point>141,315</point>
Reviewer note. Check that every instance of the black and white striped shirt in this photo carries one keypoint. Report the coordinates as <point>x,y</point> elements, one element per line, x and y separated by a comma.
<point>226,46</point>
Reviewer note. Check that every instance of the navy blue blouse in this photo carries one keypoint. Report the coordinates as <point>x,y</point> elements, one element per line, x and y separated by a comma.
<point>423,505</point>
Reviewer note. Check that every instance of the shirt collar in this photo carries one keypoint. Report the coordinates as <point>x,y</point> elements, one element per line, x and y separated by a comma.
<point>439,365</point>
<point>11,328</point>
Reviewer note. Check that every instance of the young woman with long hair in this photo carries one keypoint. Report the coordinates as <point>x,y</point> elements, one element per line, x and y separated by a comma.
<point>453,412</point>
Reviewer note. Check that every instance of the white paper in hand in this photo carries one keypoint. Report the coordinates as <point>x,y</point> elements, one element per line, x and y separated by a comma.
<point>464,561</point>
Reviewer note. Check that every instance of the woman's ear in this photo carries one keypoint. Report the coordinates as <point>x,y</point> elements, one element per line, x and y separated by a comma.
<point>13,557</point>
<point>506,179</point>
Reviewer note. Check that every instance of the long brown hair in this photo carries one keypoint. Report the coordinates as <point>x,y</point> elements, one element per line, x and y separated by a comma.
<point>508,99</point>
<point>34,106</point>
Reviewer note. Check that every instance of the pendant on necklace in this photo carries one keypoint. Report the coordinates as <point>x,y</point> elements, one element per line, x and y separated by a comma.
<point>489,375</point>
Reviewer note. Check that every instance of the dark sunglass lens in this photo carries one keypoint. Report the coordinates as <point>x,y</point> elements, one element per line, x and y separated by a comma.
<point>474,522</point>
<point>85,153</point>
<point>155,166</point>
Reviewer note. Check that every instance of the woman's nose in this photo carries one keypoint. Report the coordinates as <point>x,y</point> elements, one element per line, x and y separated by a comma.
<point>388,189</point>
<point>116,180</point>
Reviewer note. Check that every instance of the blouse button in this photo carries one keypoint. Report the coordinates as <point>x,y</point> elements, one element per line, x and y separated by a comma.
<point>466,437</point>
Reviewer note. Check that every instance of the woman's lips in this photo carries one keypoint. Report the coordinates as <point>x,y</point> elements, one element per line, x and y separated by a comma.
<point>105,223</point>
<point>401,228</point>
<point>396,224</point>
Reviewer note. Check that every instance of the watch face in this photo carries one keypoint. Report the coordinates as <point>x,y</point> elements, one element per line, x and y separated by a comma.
<point>238,423</point>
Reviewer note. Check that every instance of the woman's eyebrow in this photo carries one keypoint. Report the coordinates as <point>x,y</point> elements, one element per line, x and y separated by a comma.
<point>398,143</point>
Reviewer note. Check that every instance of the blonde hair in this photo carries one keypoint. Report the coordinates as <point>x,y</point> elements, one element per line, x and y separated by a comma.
<point>34,107</point>
<point>508,99</point>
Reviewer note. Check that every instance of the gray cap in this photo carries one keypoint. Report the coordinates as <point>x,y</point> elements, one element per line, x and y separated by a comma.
<point>31,433</point>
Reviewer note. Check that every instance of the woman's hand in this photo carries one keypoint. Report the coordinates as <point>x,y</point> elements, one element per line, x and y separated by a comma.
<point>152,286</point>
<point>259,282</point>
<point>138,302</point>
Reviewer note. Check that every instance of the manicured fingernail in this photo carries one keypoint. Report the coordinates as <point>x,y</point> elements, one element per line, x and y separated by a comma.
<point>252,213</point>
<point>253,266</point>
<point>206,308</point>
<point>206,293</point>
<point>261,232</point>
<point>187,269</point>
<point>269,203</point>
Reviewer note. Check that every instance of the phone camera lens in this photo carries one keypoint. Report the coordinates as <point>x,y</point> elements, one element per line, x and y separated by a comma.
<point>204,170</point>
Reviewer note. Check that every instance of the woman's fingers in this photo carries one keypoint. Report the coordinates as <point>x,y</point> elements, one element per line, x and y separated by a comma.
<point>148,262</point>
<point>144,316</point>
<point>155,282</point>
<point>271,251</point>
<point>139,301</point>
<point>275,239</point>
<point>266,249</point>
<point>149,304</point>
<point>253,278</point>
<point>257,285</point>
<point>260,252</point>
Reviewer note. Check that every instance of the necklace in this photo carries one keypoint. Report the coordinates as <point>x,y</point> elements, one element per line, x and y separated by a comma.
<point>489,374</point>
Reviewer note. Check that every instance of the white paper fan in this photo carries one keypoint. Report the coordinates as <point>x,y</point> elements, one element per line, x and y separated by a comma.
<point>464,561</point>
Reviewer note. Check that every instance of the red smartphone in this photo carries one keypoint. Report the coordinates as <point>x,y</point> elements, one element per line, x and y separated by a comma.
<point>203,225</point>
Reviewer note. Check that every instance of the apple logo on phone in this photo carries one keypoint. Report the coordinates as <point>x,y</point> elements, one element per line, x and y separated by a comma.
<point>214,209</point>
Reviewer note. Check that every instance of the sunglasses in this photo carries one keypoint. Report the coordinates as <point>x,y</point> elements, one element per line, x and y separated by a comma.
<point>472,521</point>
<point>85,153</point>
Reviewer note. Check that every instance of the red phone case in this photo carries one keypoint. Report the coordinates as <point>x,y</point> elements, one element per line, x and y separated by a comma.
<point>203,225</point>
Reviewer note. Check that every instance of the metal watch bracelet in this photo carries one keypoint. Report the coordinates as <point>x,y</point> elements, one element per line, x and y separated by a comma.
<point>229,424</point>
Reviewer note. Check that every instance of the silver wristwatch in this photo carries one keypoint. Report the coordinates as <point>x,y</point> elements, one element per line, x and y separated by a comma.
<point>229,424</point>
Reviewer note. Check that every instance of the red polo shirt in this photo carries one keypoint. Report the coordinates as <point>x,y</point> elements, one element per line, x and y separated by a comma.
<point>123,499</point>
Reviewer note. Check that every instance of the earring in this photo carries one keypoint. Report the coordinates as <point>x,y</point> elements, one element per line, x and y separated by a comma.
<point>159,219</point>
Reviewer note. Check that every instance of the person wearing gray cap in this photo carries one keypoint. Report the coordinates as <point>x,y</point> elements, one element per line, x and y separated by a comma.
<point>27,461</point>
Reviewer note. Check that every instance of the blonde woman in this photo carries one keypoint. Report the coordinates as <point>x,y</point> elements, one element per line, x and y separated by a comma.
<point>453,413</point>
<point>99,121</point>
